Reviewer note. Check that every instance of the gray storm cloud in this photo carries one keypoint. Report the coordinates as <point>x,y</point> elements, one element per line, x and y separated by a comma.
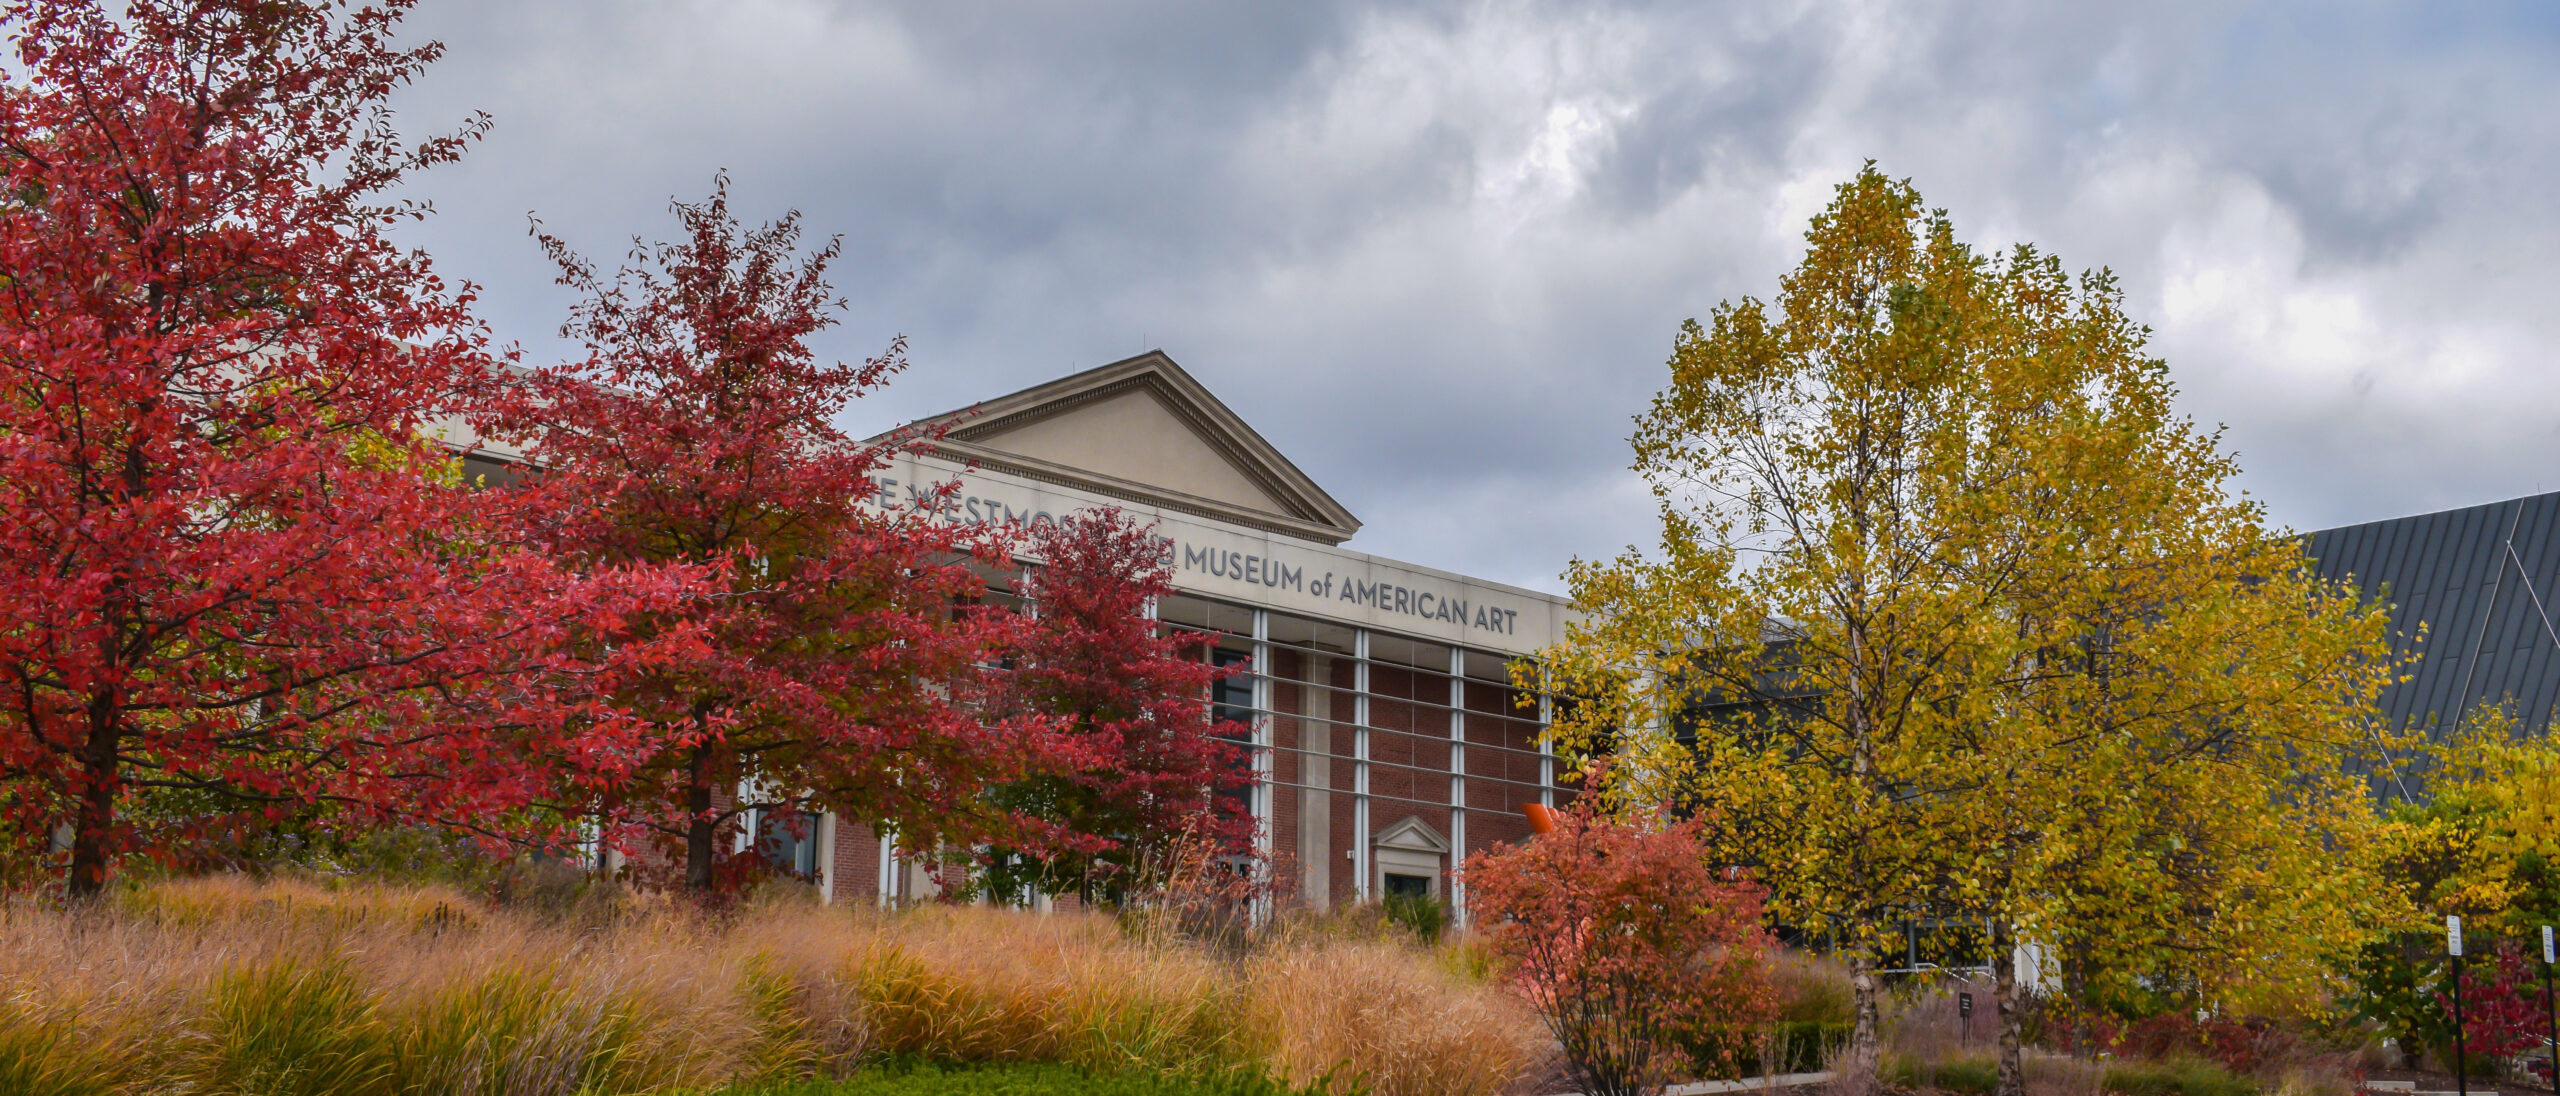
<point>1437,252</point>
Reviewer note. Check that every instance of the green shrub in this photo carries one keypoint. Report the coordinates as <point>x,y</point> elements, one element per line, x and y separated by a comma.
<point>2176,1077</point>
<point>1972,1075</point>
<point>1424,916</point>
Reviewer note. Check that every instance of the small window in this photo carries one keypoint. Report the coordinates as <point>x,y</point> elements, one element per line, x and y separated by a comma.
<point>796,853</point>
<point>1408,886</point>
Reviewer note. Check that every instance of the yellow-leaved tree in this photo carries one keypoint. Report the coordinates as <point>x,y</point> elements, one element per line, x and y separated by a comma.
<point>1953,618</point>
<point>2169,806</point>
<point>2485,841</point>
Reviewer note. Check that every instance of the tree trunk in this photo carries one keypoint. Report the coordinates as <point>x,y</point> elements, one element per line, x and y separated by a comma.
<point>2004,991</point>
<point>1862,1074</point>
<point>699,827</point>
<point>95,823</point>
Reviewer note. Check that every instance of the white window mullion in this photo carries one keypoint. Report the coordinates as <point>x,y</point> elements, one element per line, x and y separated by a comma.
<point>1458,784</point>
<point>825,835</point>
<point>1265,796</point>
<point>1360,854</point>
<point>888,867</point>
<point>1546,748</point>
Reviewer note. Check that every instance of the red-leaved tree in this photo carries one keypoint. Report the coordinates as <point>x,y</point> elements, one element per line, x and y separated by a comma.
<point>241,577</point>
<point>841,668</point>
<point>1640,957</point>
<point>1142,765</point>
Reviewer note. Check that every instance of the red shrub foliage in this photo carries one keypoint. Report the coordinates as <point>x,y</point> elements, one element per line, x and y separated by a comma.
<point>2501,1010</point>
<point>2238,1044</point>
<point>1634,951</point>
<point>2501,1003</point>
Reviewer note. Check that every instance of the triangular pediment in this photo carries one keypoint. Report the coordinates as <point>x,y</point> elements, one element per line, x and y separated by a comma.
<point>1144,430</point>
<point>1412,835</point>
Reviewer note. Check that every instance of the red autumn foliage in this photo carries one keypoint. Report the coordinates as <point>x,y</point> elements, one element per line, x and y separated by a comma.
<point>2501,1003</point>
<point>1141,765</point>
<point>1640,957</point>
<point>841,668</point>
<point>241,580</point>
<point>2241,1045</point>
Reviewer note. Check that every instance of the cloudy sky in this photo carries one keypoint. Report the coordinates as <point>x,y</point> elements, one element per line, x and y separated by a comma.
<point>1437,252</point>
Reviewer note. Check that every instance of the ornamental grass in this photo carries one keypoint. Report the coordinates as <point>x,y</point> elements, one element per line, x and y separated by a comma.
<point>225,985</point>
<point>1374,1015</point>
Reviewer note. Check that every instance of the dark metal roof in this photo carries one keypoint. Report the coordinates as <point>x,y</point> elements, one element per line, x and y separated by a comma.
<point>2482,581</point>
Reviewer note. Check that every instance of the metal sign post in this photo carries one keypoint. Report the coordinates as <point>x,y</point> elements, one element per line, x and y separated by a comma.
<point>1964,1012</point>
<point>2552,1057</point>
<point>2453,955</point>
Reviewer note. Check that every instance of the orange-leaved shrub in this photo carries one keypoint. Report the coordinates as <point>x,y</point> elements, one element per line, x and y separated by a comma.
<point>1641,957</point>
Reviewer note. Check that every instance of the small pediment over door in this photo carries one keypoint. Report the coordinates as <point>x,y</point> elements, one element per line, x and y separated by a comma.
<point>1142,429</point>
<point>1411,834</point>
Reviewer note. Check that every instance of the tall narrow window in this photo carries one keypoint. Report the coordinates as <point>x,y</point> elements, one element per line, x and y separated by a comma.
<point>1232,696</point>
<point>1231,707</point>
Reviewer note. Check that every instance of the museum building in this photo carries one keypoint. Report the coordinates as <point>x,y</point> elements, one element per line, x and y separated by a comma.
<point>1386,737</point>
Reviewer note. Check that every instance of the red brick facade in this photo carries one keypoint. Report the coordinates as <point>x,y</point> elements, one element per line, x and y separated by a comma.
<point>1313,726</point>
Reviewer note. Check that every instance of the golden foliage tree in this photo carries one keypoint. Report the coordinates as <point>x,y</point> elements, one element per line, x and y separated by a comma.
<point>2485,842</point>
<point>1953,617</point>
